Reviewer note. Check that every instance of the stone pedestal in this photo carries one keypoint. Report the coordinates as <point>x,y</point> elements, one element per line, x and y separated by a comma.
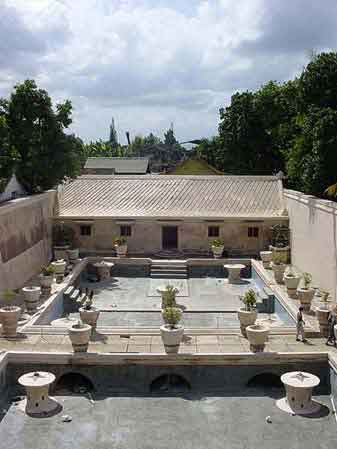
<point>257,335</point>
<point>103,270</point>
<point>299,386</point>
<point>322,317</point>
<point>31,297</point>
<point>292,293</point>
<point>45,293</point>
<point>234,271</point>
<point>266,257</point>
<point>38,402</point>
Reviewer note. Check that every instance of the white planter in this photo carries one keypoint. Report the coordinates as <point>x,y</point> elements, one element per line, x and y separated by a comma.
<point>121,250</point>
<point>60,252</point>
<point>9,317</point>
<point>171,338</point>
<point>246,318</point>
<point>266,257</point>
<point>89,316</point>
<point>31,297</point>
<point>291,282</point>
<point>46,281</point>
<point>59,266</point>
<point>217,251</point>
<point>79,335</point>
<point>278,270</point>
<point>257,335</point>
<point>305,296</point>
<point>73,254</point>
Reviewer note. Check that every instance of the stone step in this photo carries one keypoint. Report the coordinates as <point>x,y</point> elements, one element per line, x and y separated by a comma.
<point>75,295</point>
<point>164,275</point>
<point>169,265</point>
<point>170,271</point>
<point>68,291</point>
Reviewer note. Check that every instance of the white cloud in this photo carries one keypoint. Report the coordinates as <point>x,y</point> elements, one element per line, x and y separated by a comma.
<point>150,62</point>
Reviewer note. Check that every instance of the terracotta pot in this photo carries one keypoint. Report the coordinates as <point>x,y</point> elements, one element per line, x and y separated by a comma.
<point>89,316</point>
<point>266,257</point>
<point>121,250</point>
<point>246,318</point>
<point>46,281</point>
<point>171,337</point>
<point>278,270</point>
<point>60,252</point>
<point>9,317</point>
<point>257,335</point>
<point>305,295</point>
<point>217,251</point>
<point>79,335</point>
<point>31,297</point>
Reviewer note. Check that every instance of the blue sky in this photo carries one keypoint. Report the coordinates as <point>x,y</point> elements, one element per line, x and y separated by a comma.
<point>152,62</point>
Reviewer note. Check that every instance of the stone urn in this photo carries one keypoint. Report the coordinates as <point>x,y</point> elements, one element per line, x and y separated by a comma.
<point>172,337</point>
<point>121,250</point>
<point>79,334</point>
<point>9,317</point>
<point>246,318</point>
<point>278,269</point>
<point>103,270</point>
<point>266,257</point>
<point>291,282</point>
<point>305,296</point>
<point>46,281</point>
<point>89,316</point>
<point>217,251</point>
<point>31,297</point>
<point>60,268</point>
<point>73,255</point>
<point>60,252</point>
<point>257,335</point>
<point>281,254</point>
<point>322,315</point>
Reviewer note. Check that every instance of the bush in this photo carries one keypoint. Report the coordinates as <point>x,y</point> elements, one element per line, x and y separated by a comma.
<point>249,300</point>
<point>172,316</point>
<point>63,235</point>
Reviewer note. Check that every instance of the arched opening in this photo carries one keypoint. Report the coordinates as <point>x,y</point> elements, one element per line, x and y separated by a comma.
<point>73,383</point>
<point>170,383</point>
<point>265,381</point>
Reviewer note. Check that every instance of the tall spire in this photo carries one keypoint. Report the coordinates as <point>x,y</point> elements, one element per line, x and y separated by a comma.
<point>113,139</point>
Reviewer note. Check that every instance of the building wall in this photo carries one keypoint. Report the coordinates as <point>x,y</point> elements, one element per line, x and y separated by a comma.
<point>313,238</point>
<point>25,233</point>
<point>146,236</point>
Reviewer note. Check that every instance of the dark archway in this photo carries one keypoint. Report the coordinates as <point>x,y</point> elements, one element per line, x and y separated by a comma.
<point>170,383</point>
<point>73,383</point>
<point>265,381</point>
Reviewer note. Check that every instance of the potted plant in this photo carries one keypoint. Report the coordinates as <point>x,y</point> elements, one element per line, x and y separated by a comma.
<point>278,268</point>
<point>322,313</point>
<point>31,297</point>
<point>217,246</point>
<point>79,335</point>
<point>121,247</point>
<point>266,257</point>
<point>172,332</point>
<point>291,280</point>
<point>257,335</point>
<point>9,315</point>
<point>305,294</point>
<point>247,315</point>
<point>47,276</point>
<point>280,240</point>
<point>88,313</point>
<point>168,296</point>
<point>63,237</point>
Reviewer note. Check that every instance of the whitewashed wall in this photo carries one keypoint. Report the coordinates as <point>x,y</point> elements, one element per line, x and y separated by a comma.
<point>313,224</point>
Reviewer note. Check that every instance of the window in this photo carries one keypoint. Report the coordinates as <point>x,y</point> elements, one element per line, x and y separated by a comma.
<point>253,232</point>
<point>85,230</point>
<point>213,231</point>
<point>125,231</point>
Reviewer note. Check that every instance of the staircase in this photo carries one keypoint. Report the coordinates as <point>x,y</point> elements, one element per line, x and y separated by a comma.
<point>70,296</point>
<point>169,269</point>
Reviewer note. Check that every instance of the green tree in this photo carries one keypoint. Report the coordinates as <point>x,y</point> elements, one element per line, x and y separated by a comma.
<point>44,154</point>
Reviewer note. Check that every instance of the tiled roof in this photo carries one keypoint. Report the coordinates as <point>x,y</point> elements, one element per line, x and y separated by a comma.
<point>130,165</point>
<point>165,196</point>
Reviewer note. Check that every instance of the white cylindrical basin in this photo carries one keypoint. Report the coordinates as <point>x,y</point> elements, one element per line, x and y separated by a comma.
<point>38,402</point>
<point>299,386</point>
<point>234,271</point>
<point>103,269</point>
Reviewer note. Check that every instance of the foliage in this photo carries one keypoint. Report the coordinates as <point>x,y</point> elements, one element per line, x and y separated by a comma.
<point>169,296</point>
<point>277,259</point>
<point>41,152</point>
<point>249,299</point>
<point>8,295</point>
<point>307,278</point>
<point>172,316</point>
<point>48,271</point>
<point>118,241</point>
<point>7,154</point>
<point>63,235</point>
<point>194,167</point>
<point>101,148</point>
<point>217,243</point>
<point>280,235</point>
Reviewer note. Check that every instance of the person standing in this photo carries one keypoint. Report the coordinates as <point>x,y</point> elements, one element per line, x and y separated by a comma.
<point>300,325</point>
<point>332,321</point>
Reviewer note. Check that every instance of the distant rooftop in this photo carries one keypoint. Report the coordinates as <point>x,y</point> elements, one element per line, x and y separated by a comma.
<point>158,196</point>
<point>119,165</point>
